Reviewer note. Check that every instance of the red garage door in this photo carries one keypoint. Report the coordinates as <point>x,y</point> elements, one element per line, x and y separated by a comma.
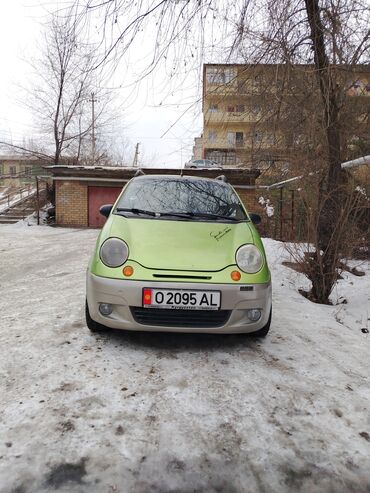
<point>99,196</point>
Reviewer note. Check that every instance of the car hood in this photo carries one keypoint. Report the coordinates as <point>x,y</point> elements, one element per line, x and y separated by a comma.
<point>180,245</point>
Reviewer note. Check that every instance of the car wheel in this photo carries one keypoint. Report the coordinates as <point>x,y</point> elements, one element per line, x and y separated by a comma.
<point>92,325</point>
<point>264,331</point>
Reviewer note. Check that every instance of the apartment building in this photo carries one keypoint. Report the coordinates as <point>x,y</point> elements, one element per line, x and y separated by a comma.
<point>258,115</point>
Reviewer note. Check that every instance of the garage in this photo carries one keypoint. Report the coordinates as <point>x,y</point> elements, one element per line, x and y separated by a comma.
<point>80,191</point>
<point>98,196</point>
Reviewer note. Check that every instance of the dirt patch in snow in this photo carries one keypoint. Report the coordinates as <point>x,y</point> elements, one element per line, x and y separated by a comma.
<point>63,473</point>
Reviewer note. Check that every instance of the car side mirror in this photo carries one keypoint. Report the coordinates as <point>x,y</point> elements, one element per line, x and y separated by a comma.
<point>255,218</point>
<point>106,209</point>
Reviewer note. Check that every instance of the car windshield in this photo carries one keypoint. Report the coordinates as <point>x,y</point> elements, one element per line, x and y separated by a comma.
<point>185,197</point>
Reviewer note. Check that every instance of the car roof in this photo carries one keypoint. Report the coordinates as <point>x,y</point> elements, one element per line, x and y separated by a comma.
<point>181,178</point>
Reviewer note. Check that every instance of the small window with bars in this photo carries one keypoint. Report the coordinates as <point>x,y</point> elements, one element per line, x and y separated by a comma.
<point>212,136</point>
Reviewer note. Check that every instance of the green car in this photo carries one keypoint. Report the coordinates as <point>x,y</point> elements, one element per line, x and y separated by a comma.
<point>179,254</point>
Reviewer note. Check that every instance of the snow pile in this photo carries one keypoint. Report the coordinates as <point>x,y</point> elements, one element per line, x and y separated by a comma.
<point>31,220</point>
<point>269,208</point>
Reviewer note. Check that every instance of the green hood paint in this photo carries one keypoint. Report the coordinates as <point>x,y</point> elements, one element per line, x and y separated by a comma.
<point>181,245</point>
<point>177,245</point>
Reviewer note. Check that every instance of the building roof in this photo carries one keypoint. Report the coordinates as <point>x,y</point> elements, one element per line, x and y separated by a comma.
<point>235,176</point>
<point>359,66</point>
<point>19,157</point>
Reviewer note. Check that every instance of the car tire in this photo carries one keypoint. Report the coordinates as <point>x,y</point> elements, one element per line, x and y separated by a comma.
<point>265,330</point>
<point>91,324</point>
<point>192,167</point>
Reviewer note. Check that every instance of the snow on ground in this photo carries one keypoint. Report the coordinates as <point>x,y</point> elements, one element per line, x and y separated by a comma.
<point>142,412</point>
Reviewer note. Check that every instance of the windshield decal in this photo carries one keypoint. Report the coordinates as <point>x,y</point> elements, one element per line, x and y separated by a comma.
<point>220,234</point>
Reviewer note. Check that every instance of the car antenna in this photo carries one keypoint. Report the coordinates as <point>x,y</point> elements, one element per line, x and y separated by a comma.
<point>139,172</point>
<point>222,178</point>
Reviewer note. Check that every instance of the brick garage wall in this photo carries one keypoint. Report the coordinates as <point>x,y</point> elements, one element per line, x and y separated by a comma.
<point>71,203</point>
<point>249,197</point>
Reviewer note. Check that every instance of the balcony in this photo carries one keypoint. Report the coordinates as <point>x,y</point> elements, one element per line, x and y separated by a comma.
<point>246,143</point>
<point>220,89</point>
<point>220,117</point>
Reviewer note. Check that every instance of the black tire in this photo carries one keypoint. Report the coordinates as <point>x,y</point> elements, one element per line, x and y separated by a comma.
<point>92,325</point>
<point>265,330</point>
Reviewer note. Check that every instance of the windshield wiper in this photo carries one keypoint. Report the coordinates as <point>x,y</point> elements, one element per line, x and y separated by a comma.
<point>213,216</point>
<point>188,215</point>
<point>184,215</point>
<point>134,210</point>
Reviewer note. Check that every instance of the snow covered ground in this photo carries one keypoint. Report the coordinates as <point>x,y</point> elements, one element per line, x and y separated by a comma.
<point>142,412</point>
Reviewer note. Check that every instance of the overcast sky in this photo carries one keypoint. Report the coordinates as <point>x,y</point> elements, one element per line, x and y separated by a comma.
<point>151,109</point>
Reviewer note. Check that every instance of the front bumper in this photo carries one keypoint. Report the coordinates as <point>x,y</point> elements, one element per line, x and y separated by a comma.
<point>123,294</point>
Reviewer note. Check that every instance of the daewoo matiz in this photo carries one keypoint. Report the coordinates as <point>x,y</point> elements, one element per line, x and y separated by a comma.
<point>179,253</point>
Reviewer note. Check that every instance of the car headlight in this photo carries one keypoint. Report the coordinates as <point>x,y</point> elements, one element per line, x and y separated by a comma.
<point>113,252</point>
<point>249,259</point>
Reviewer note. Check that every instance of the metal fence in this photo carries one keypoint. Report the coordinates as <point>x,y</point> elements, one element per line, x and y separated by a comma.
<point>282,212</point>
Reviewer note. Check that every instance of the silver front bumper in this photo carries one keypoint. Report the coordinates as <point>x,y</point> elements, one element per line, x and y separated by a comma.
<point>124,294</point>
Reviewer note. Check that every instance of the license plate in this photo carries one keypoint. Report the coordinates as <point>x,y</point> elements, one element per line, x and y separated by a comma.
<point>181,299</point>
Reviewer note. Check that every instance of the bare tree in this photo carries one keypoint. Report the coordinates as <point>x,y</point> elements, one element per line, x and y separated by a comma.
<point>331,37</point>
<point>64,72</point>
<point>74,113</point>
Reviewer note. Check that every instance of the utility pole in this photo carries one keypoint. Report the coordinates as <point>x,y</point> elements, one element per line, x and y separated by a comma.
<point>93,101</point>
<point>38,199</point>
<point>136,156</point>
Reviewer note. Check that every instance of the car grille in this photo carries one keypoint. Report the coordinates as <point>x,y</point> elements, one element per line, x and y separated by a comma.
<point>179,276</point>
<point>180,318</point>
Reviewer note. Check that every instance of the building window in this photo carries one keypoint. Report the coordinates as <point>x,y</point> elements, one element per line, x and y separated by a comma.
<point>240,108</point>
<point>230,74</point>
<point>231,109</point>
<point>28,170</point>
<point>213,108</point>
<point>235,139</point>
<point>231,137</point>
<point>257,137</point>
<point>256,109</point>
<point>12,170</point>
<point>270,139</point>
<point>239,139</point>
<point>217,75</point>
<point>212,136</point>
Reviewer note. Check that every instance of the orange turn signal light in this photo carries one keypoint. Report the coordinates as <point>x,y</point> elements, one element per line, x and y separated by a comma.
<point>235,275</point>
<point>128,271</point>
